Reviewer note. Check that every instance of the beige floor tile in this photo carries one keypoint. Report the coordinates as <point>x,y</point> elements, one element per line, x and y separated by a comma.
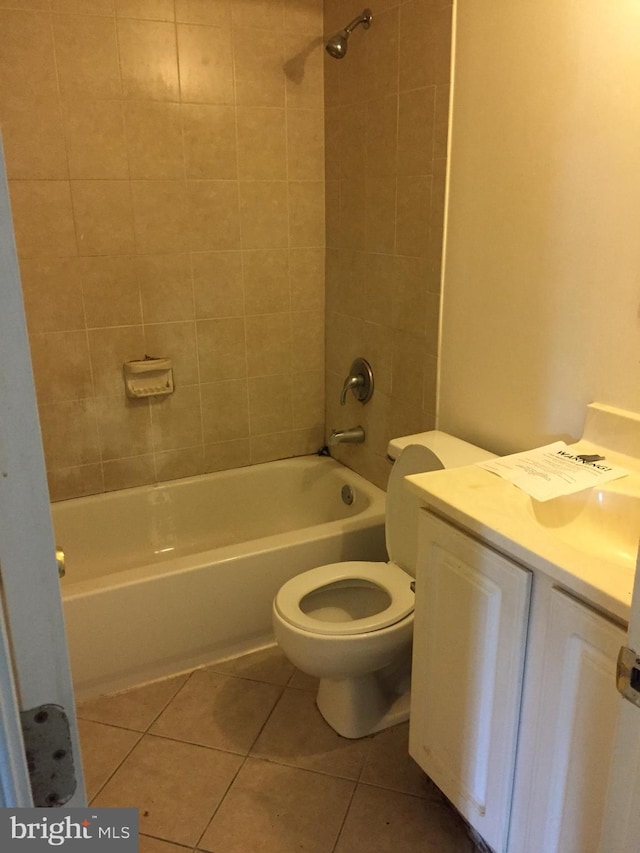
<point>155,845</point>
<point>296,734</point>
<point>389,765</point>
<point>302,681</point>
<point>268,665</point>
<point>278,805</point>
<point>176,786</point>
<point>132,709</point>
<point>219,711</point>
<point>381,821</point>
<point>103,748</point>
<point>276,809</point>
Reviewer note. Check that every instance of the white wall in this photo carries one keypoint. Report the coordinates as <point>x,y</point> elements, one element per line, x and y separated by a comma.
<point>542,272</point>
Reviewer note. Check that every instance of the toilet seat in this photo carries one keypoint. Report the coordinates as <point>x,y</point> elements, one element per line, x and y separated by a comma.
<point>388,577</point>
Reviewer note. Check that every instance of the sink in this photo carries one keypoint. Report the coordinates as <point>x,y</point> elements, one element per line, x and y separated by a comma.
<point>599,522</point>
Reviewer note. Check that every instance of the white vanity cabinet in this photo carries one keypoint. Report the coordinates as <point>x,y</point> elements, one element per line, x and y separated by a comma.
<point>514,701</point>
<point>469,647</point>
<point>569,720</point>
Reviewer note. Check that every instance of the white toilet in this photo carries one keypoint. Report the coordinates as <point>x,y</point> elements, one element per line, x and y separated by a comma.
<point>351,624</point>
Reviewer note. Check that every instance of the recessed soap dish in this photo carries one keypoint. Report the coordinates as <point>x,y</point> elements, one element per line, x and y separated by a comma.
<point>148,377</point>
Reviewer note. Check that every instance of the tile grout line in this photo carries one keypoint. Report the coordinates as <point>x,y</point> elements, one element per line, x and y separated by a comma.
<point>244,761</point>
<point>141,734</point>
<point>356,783</point>
<point>222,799</point>
<point>115,770</point>
<point>244,757</point>
<point>344,819</point>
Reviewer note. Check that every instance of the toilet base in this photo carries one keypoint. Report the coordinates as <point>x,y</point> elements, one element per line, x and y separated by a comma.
<point>359,706</point>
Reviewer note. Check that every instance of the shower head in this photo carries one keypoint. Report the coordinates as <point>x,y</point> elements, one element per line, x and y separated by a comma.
<point>337,45</point>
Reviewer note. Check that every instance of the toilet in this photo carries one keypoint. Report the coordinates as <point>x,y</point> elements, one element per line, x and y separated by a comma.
<point>351,624</point>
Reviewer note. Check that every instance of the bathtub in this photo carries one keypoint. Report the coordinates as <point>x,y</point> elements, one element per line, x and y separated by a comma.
<point>161,579</point>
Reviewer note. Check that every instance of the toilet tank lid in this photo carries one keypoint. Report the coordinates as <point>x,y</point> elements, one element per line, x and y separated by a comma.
<point>451,451</point>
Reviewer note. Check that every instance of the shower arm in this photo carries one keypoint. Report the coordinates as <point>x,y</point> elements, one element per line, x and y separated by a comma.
<point>364,19</point>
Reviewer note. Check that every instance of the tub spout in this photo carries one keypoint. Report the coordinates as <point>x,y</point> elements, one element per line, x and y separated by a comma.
<point>355,435</point>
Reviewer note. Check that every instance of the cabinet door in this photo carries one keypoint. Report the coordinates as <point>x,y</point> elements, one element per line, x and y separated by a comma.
<point>469,645</point>
<point>577,719</point>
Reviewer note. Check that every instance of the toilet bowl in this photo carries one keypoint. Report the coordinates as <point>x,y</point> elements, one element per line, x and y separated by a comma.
<point>351,624</point>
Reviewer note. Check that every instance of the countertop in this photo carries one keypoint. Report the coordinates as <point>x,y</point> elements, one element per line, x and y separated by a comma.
<point>502,515</point>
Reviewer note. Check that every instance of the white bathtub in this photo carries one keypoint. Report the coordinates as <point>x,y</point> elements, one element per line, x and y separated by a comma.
<point>161,579</point>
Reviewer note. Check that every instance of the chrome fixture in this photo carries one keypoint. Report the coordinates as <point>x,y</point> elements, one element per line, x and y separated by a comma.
<point>337,45</point>
<point>359,380</point>
<point>348,495</point>
<point>354,435</point>
<point>60,562</point>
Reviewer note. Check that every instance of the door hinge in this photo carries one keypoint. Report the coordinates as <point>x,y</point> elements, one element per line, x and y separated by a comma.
<point>628,675</point>
<point>47,742</point>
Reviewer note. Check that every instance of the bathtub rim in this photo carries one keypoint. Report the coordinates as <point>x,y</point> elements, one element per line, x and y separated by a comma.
<point>373,513</point>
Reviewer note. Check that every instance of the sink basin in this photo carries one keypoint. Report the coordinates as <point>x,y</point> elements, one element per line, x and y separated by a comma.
<point>602,523</point>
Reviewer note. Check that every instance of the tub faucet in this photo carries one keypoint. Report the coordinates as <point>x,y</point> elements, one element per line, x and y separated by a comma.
<point>354,435</point>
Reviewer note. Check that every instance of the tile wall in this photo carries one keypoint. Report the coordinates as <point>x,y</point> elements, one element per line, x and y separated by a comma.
<point>386,114</point>
<point>166,167</point>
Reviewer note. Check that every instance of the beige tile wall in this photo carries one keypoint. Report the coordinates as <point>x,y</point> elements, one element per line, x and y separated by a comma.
<point>166,166</point>
<point>386,112</point>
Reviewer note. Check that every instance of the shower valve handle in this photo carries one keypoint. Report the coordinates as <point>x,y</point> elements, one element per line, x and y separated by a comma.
<point>350,383</point>
<point>359,380</point>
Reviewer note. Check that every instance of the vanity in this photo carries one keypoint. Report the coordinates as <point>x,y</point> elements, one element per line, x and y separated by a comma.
<point>521,609</point>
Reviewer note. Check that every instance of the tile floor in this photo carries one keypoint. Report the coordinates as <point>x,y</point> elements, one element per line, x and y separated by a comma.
<point>235,758</point>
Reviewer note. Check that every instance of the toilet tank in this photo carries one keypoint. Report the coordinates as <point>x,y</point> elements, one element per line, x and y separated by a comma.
<point>415,454</point>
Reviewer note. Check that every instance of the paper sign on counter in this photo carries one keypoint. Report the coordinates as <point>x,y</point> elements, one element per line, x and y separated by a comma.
<point>554,470</point>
